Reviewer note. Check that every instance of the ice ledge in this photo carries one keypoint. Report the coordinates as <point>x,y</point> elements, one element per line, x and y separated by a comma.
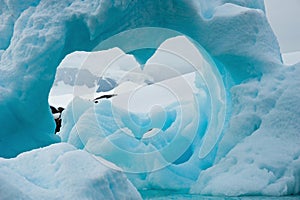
<point>60,171</point>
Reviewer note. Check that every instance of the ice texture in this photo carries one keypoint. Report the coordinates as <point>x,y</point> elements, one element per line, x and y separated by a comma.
<point>41,33</point>
<point>255,153</point>
<point>60,171</point>
<point>258,153</point>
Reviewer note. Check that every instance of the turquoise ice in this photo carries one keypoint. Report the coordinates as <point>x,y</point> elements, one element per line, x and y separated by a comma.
<point>238,134</point>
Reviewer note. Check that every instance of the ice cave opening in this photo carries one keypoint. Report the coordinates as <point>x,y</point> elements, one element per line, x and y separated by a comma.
<point>141,113</point>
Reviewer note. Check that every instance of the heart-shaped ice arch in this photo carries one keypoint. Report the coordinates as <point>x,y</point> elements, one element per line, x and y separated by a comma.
<point>132,151</point>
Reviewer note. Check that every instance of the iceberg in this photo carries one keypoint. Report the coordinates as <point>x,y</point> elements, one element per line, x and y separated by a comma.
<point>45,32</point>
<point>220,118</point>
<point>60,171</point>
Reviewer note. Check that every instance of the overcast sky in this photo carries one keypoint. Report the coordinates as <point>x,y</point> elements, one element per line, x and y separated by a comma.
<point>284,17</point>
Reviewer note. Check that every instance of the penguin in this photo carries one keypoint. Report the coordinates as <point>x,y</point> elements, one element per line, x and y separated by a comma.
<point>56,112</point>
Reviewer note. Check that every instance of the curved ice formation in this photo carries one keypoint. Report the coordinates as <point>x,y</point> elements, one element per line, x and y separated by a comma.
<point>260,145</point>
<point>44,32</point>
<point>175,121</point>
<point>48,173</point>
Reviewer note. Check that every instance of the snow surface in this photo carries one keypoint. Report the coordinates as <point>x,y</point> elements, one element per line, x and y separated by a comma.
<point>240,141</point>
<point>60,171</point>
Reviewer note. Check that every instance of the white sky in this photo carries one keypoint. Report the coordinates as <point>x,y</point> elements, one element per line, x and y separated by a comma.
<point>284,17</point>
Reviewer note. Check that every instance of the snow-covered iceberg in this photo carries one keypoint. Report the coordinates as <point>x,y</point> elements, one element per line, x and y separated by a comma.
<point>257,148</point>
<point>37,35</point>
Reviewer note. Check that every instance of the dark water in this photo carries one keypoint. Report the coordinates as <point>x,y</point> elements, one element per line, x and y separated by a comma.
<point>162,195</point>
